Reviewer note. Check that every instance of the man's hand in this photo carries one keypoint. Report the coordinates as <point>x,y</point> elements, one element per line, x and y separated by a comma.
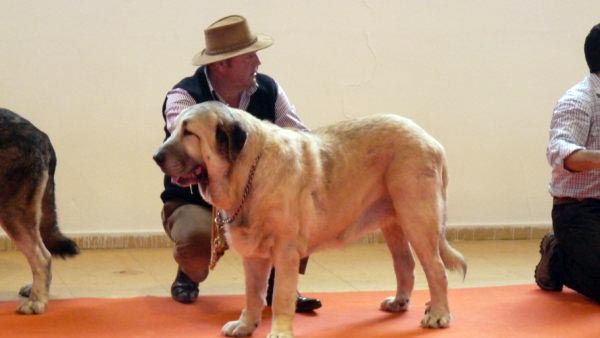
<point>583,160</point>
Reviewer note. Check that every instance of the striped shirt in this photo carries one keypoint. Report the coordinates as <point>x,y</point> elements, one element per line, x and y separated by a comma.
<point>285,113</point>
<point>575,125</point>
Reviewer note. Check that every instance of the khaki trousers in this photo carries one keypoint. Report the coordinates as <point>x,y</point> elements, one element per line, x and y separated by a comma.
<point>189,227</point>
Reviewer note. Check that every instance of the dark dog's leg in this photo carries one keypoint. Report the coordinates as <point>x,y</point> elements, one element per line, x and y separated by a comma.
<point>39,259</point>
<point>22,225</point>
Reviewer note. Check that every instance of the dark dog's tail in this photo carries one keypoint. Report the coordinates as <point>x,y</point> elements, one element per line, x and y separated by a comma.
<point>54,240</point>
<point>60,245</point>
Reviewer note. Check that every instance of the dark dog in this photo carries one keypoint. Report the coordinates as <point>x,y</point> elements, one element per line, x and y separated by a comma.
<point>27,209</point>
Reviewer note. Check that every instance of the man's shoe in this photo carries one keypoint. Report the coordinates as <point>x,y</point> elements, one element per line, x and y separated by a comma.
<point>183,289</point>
<point>544,276</point>
<point>305,304</point>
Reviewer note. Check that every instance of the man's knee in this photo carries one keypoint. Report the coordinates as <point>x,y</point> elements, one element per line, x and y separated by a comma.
<point>189,226</point>
<point>194,261</point>
<point>187,222</point>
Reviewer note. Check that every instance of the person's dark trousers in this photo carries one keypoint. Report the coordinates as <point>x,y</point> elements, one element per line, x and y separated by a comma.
<point>576,226</point>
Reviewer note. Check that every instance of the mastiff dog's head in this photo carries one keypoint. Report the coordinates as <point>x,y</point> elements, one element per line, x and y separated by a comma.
<point>206,142</point>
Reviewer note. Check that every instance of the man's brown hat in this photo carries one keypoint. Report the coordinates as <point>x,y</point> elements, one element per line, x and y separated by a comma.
<point>229,37</point>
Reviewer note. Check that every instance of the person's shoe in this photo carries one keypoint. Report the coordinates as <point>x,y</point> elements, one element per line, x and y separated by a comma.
<point>544,277</point>
<point>183,289</point>
<point>305,304</point>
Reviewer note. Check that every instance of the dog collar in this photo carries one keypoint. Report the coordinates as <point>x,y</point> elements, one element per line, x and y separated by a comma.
<point>222,217</point>
<point>218,242</point>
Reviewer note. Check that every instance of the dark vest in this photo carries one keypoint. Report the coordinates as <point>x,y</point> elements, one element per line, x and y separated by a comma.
<point>262,105</point>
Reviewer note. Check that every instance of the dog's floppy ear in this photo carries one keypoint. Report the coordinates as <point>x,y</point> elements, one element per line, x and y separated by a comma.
<point>230,139</point>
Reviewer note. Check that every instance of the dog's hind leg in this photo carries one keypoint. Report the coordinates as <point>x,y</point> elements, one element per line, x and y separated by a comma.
<point>404,266</point>
<point>423,233</point>
<point>22,225</point>
<point>418,200</point>
<point>39,259</point>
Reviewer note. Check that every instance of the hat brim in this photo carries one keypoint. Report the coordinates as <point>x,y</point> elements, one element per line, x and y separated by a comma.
<point>262,42</point>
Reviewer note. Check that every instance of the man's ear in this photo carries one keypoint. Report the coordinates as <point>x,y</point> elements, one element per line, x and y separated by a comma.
<point>230,139</point>
<point>220,66</point>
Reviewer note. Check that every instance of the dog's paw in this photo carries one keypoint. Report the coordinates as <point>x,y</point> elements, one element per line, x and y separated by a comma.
<point>237,328</point>
<point>280,335</point>
<point>435,320</point>
<point>391,304</point>
<point>32,307</point>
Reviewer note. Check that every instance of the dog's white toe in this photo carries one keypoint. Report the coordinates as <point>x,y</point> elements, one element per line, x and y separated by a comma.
<point>29,307</point>
<point>436,321</point>
<point>280,335</point>
<point>237,328</point>
<point>391,304</point>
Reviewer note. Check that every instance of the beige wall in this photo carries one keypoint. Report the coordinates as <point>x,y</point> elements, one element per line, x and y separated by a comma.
<point>481,76</point>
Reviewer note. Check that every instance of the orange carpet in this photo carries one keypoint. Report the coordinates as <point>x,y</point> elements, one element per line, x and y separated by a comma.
<point>511,311</point>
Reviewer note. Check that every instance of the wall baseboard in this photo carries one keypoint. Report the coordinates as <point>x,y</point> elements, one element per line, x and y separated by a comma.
<point>481,233</point>
<point>108,241</point>
<point>160,240</point>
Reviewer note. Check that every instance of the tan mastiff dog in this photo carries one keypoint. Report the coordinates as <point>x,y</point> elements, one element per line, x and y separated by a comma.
<point>283,194</point>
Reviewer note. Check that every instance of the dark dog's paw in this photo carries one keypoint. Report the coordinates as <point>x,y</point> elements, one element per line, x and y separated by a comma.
<point>32,307</point>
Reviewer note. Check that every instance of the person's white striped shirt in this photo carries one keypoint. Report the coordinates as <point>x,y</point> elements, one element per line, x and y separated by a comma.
<point>285,113</point>
<point>575,125</point>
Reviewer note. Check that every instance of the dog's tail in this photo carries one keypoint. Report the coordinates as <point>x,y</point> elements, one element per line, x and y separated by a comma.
<point>453,260</point>
<point>60,245</point>
<point>54,240</point>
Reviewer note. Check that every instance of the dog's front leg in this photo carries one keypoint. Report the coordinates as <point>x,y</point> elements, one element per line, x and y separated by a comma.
<point>285,294</point>
<point>256,271</point>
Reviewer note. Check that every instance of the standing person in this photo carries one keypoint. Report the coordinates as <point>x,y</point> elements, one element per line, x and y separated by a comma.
<point>571,255</point>
<point>228,72</point>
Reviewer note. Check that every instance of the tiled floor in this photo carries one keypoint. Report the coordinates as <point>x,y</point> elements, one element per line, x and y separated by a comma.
<point>359,267</point>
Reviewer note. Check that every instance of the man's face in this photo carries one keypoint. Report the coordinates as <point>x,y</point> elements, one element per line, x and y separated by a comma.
<point>241,70</point>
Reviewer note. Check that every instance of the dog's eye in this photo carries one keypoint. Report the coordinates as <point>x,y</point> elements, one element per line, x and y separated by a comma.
<point>187,133</point>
